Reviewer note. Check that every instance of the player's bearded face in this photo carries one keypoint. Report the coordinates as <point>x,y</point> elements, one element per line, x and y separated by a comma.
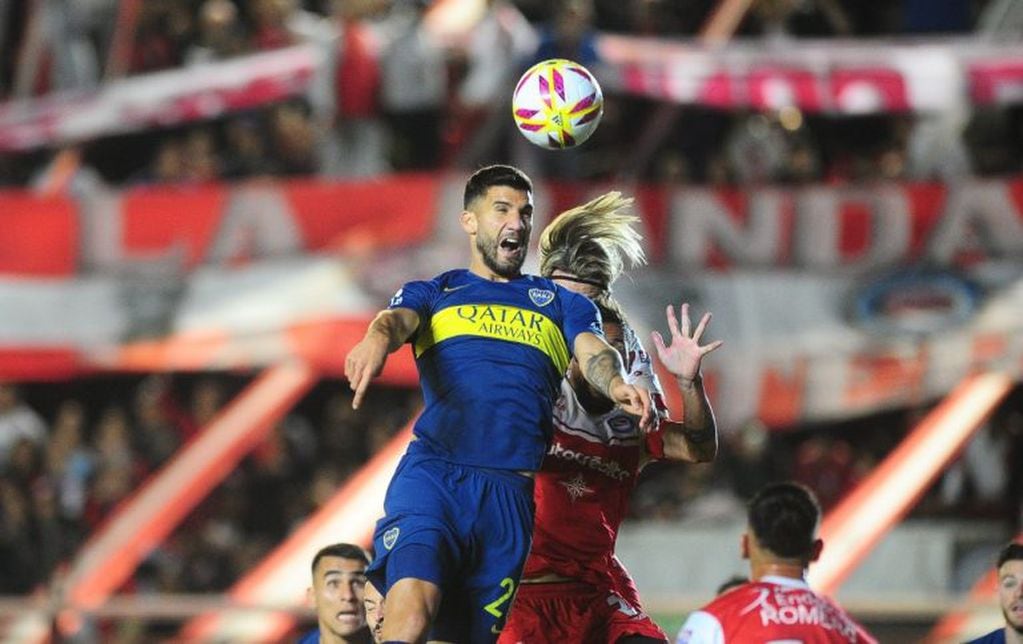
<point>1010,593</point>
<point>504,228</point>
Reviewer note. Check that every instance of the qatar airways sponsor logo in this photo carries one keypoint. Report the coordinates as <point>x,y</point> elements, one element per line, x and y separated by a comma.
<point>605,466</point>
<point>803,608</point>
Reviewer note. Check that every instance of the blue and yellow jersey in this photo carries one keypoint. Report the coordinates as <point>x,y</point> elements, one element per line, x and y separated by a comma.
<point>490,358</point>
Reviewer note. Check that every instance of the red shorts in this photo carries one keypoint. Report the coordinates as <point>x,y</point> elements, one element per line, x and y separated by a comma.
<point>563,612</point>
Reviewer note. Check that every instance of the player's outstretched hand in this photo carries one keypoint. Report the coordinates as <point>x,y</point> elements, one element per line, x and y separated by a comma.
<point>635,400</point>
<point>364,362</point>
<point>684,355</point>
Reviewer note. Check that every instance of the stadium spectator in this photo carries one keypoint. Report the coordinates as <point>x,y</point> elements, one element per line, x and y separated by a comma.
<point>220,34</point>
<point>780,542</point>
<point>17,421</point>
<point>1010,597</point>
<point>489,430</point>
<point>413,90</point>
<point>338,593</point>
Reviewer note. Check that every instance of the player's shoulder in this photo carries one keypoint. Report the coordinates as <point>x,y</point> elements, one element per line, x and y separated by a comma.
<point>735,598</point>
<point>312,637</point>
<point>453,278</point>
<point>996,636</point>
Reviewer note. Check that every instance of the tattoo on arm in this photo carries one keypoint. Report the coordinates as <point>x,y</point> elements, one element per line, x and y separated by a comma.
<point>601,369</point>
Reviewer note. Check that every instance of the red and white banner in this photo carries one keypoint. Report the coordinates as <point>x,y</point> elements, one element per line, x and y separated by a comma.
<point>851,230</point>
<point>820,292</point>
<point>844,77</point>
<point>159,99</point>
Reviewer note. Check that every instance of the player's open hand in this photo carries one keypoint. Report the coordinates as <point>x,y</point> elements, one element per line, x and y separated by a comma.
<point>364,362</point>
<point>683,356</point>
<point>634,400</point>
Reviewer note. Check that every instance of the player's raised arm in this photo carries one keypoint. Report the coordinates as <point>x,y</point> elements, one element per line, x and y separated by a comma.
<point>695,439</point>
<point>602,367</point>
<point>386,333</point>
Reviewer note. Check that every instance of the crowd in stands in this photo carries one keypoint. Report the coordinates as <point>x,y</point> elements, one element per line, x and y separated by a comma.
<point>71,453</point>
<point>984,482</point>
<point>401,99</point>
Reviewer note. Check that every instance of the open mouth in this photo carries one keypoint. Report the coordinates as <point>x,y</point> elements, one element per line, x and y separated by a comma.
<point>511,246</point>
<point>347,617</point>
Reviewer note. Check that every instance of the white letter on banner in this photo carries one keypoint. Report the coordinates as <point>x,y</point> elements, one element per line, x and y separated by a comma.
<point>977,213</point>
<point>700,220</point>
<point>257,221</point>
<point>817,240</point>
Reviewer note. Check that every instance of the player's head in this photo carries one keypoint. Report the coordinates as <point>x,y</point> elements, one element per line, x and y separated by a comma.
<point>782,526</point>
<point>374,603</point>
<point>1010,585</point>
<point>588,247</point>
<point>339,578</point>
<point>498,216</point>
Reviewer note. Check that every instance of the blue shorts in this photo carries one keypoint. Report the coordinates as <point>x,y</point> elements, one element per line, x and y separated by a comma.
<point>465,529</point>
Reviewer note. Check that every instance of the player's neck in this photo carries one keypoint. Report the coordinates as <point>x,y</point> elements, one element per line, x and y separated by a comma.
<point>480,269</point>
<point>777,569</point>
<point>363,636</point>
<point>1012,636</point>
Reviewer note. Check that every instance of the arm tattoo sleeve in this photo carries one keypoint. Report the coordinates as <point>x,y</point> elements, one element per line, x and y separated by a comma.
<point>602,368</point>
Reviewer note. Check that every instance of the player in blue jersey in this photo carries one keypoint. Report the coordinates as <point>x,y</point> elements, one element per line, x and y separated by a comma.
<point>1010,597</point>
<point>339,579</point>
<point>491,345</point>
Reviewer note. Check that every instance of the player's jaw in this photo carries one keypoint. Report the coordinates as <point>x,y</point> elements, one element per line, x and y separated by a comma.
<point>1014,615</point>
<point>505,253</point>
<point>347,620</point>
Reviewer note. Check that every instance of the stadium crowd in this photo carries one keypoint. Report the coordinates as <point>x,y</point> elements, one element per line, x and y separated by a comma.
<point>69,453</point>
<point>400,99</point>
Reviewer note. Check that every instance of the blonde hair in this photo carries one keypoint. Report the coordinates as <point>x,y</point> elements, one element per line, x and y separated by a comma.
<point>594,242</point>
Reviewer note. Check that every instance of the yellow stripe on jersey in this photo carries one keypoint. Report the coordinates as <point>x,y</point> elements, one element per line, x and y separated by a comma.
<point>497,321</point>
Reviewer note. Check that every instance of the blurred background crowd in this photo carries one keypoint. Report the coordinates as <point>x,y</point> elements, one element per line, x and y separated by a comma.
<point>402,97</point>
<point>69,453</point>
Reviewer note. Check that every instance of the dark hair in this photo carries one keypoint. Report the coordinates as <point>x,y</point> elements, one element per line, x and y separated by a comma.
<point>494,175</point>
<point>784,518</point>
<point>343,551</point>
<point>609,310</point>
<point>1011,552</point>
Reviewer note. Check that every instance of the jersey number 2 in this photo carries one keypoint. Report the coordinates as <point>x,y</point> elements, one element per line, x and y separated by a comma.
<point>495,607</point>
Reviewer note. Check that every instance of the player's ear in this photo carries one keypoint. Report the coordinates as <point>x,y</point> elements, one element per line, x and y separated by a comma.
<point>815,551</point>
<point>744,545</point>
<point>310,596</point>
<point>468,221</point>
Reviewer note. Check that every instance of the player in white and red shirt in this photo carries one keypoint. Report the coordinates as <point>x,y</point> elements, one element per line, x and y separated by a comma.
<point>777,605</point>
<point>573,588</point>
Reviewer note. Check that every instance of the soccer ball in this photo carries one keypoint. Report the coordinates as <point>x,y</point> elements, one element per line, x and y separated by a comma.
<point>557,104</point>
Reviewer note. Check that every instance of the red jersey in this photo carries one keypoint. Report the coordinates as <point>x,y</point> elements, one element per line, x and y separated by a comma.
<point>774,609</point>
<point>582,490</point>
